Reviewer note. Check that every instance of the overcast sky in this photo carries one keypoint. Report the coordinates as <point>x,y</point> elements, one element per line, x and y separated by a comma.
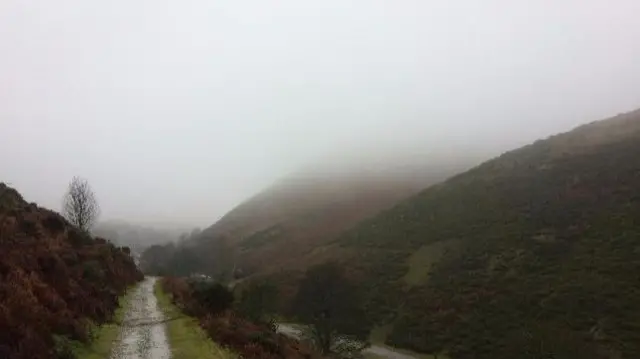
<point>177,110</point>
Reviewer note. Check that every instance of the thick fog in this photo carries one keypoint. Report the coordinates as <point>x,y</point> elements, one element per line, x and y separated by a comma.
<point>177,110</point>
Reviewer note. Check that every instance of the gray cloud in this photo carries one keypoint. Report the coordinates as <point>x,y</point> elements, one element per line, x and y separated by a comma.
<point>177,110</point>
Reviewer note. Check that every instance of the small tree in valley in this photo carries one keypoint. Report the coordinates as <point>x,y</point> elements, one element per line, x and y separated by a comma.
<point>259,302</point>
<point>332,307</point>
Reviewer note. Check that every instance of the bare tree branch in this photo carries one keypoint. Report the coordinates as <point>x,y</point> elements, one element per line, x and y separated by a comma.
<point>80,206</point>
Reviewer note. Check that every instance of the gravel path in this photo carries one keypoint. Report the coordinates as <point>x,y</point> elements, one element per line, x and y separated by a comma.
<point>143,334</point>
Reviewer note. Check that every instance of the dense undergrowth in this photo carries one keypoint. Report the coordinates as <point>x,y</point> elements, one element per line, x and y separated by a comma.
<point>537,253</point>
<point>211,303</point>
<point>56,282</point>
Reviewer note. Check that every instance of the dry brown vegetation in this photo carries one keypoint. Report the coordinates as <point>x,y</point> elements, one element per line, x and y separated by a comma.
<point>55,280</point>
<point>290,225</point>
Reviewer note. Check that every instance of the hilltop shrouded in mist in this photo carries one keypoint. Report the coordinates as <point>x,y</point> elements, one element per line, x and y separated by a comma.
<point>177,112</point>
<point>393,172</point>
<point>282,225</point>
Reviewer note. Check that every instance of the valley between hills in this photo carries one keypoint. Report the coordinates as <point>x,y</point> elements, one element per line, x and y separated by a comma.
<point>533,249</point>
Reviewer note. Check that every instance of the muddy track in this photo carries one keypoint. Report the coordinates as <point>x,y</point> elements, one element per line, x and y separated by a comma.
<point>143,333</point>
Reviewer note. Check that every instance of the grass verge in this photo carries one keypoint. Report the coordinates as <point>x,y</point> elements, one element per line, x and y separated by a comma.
<point>106,335</point>
<point>186,338</point>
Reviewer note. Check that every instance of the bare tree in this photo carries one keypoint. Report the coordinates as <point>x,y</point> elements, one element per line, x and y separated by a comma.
<point>80,206</point>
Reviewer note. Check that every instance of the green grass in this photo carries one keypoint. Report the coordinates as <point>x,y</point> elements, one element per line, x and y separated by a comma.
<point>422,261</point>
<point>104,336</point>
<point>187,339</point>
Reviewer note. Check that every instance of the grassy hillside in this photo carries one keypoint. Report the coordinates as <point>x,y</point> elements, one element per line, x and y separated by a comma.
<point>533,253</point>
<point>283,227</point>
<point>56,282</point>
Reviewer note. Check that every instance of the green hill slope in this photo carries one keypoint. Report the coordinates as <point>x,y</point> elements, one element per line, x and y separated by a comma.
<point>534,252</point>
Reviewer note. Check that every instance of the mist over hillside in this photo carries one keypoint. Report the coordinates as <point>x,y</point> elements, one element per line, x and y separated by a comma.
<point>447,253</point>
<point>138,237</point>
<point>280,226</point>
<point>458,179</point>
<point>179,112</point>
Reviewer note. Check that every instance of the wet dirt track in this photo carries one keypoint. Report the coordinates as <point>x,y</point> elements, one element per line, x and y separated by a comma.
<point>143,333</point>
